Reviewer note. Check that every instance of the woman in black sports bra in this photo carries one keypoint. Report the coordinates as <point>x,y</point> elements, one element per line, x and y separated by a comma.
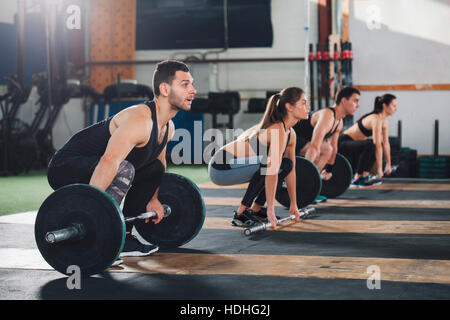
<point>264,156</point>
<point>361,151</point>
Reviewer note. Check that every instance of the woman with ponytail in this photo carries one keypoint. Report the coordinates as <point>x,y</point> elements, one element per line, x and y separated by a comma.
<point>264,156</point>
<point>362,152</point>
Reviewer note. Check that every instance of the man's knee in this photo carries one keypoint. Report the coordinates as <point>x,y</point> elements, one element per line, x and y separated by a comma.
<point>53,179</point>
<point>326,149</point>
<point>302,151</point>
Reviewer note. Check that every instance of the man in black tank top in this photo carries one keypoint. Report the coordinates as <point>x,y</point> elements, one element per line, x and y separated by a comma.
<point>317,136</point>
<point>125,154</point>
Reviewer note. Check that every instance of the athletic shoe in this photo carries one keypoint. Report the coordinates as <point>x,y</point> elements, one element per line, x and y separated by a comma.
<point>361,183</point>
<point>374,180</point>
<point>319,199</point>
<point>117,262</point>
<point>353,185</point>
<point>245,219</point>
<point>133,248</point>
<point>261,215</point>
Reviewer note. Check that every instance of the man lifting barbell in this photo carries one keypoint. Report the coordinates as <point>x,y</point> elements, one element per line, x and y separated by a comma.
<point>317,136</point>
<point>125,154</point>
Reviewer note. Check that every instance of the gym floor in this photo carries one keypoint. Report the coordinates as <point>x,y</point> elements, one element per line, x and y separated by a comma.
<point>400,229</point>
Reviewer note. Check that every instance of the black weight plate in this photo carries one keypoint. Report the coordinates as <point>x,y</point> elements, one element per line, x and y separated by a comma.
<point>102,219</point>
<point>187,213</point>
<point>308,184</point>
<point>341,179</point>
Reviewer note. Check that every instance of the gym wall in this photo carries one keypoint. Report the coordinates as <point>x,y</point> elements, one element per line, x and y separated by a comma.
<point>111,41</point>
<point>398,51</point>
<point>405,42</point>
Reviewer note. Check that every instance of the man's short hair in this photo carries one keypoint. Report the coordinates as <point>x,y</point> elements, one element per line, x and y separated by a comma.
<point>346,92</point>
<point>165,72</point>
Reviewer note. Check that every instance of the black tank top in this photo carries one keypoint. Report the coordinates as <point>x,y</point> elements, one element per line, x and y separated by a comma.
<point>92,142</point>
<point>364,130</point>
<point>304,128</point>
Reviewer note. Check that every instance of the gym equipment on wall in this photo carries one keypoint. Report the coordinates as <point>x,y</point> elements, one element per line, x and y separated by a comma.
<point>311,75</point>
<point>326,66</point>
<point>12,130</point>
<point>319,76</point>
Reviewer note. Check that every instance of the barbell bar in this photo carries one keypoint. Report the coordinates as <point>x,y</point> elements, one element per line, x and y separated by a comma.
<point>77,231</point>
<point>304,213</point>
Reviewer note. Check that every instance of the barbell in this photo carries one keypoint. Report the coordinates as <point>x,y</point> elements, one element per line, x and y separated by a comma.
<point>77,231</point>
<point>304,213</point>
<point>373,178</point>
<point>82,225</point>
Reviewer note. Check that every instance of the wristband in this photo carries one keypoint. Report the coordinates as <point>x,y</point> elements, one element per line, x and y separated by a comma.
<point>329,167</point>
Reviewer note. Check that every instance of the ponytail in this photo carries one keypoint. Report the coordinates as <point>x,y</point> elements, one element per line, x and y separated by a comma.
<point>275,110</point>
<point>378,105</point>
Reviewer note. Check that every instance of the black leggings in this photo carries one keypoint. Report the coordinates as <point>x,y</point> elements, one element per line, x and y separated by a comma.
<point>361,154</point>
<point>144,183</point>
<point>256,188</point>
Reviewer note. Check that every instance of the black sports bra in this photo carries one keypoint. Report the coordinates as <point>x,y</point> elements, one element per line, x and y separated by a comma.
<point>364,130</point>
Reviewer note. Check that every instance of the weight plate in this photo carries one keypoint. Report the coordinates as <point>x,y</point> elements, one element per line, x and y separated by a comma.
<point>101,218</point>
<point>309,184</point>
<point>187,213</point>
<point>341,179</point>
